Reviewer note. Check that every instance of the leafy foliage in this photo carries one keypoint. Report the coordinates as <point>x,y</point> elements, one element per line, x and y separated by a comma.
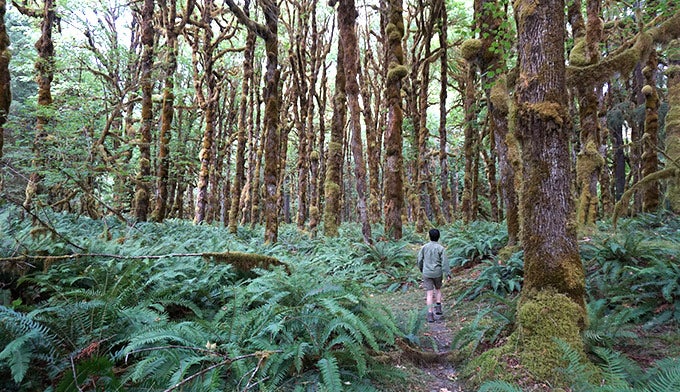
<point>182,320</point>
<point>500,278</point>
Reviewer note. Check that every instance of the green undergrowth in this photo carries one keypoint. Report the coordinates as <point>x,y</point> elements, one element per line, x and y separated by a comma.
<point>98,304</point>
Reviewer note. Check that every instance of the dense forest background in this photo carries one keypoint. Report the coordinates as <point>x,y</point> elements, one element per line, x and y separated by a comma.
<point>135,132</point>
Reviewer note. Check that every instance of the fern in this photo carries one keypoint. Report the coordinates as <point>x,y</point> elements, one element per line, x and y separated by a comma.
<point>498,386</point>
<point>330,373</point>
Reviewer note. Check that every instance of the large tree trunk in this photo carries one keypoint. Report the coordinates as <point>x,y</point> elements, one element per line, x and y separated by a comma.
<point>5,93</point>
<point>333,178</point>
<point>673,123</point>
<point>554,279</point>
<point>142,183</point>
<point>347,15</point>
<point>394,161</point>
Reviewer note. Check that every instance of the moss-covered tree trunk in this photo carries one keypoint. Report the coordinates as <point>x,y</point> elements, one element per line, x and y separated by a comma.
<point>204,79</point>
<point>347,15</point>
<point>470,145</point>
<point>372,111</point>
<point>393,172</point>
<point>443,76</point>
<point>44,65</point>
<point>651,194</point>
<point>142,182</point>
<point>5,93</point>
<point>554,279</point>
<point>239,177</point>
<point>673,123</point>
<point>271,96</point>
<point>589,162</point>
<point>333,178</point>
<point>172,31</point>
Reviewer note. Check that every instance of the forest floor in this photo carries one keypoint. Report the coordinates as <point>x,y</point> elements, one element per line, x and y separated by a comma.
<point>428,369</point>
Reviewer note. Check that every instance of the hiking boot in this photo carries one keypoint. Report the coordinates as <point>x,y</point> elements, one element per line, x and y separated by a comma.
<point>430,317</point>
<point>438,309</point>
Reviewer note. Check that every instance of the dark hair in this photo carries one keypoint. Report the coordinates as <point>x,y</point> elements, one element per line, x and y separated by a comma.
<point>434,235</point>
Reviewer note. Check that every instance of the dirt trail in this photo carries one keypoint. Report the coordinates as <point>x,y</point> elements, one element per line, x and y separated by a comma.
<point>445,376</point>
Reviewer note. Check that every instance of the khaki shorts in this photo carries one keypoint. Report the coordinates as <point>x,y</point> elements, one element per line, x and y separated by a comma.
<point>432,283</point>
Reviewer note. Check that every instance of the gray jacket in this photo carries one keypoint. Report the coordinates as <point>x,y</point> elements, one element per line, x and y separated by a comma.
<point>432,261</point>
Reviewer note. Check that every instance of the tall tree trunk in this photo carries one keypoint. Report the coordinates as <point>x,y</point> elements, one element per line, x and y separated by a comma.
<point>394,161</point>
<point>142,183</point>
<point>673,123</point>
<point>589,162</point>
<point>443,155</point>
<point>44,65</point>
<point>469,148</point>
<point>347,15</point>
<point>271,123</point>
<point>239,178</point>
<point>172,31</point>
<point>554,279</point>
<point>5,93</point>
<point>650,161</point>
<point>333,178</point>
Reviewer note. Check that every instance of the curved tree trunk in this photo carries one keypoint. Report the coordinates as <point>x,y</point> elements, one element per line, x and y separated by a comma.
<point>394,162</point>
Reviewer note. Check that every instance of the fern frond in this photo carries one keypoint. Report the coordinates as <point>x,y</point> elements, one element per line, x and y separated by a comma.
<point>330,373</point>
<point>665,376</point>
<point>498,386</point>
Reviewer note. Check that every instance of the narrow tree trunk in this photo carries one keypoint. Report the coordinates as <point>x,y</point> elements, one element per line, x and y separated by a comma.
<point>239,178</point>
<point>44,66</point>
<point>651,194</point>
<point>142,182</point>
<point>5,93</point>
<point>469,148</point>
<point>443,156</point>
<point>394,162</point>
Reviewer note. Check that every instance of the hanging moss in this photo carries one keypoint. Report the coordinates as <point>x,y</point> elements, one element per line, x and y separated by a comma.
<point>314,155</point>
<point>396,73</point>
<point>577,56</point>
<point>470,49</point>
<point>499,95</point>
<point>546,110</point>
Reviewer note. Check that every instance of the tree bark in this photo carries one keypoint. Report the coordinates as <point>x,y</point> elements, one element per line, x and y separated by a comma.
<point>554,278</point>
<point>347,15</point>
<point>470,148</point>
<point>673,124</point>
<point>333,178</point>
<point>394,162</point>
<point>651,193</point>
<point>142,182</point>
<point>443,156</point>
<point>5,92</point>
<point>239,177</point>
<point>44,66</point>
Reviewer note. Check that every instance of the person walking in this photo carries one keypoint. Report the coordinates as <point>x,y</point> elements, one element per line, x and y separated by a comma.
<point>433,263</point>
